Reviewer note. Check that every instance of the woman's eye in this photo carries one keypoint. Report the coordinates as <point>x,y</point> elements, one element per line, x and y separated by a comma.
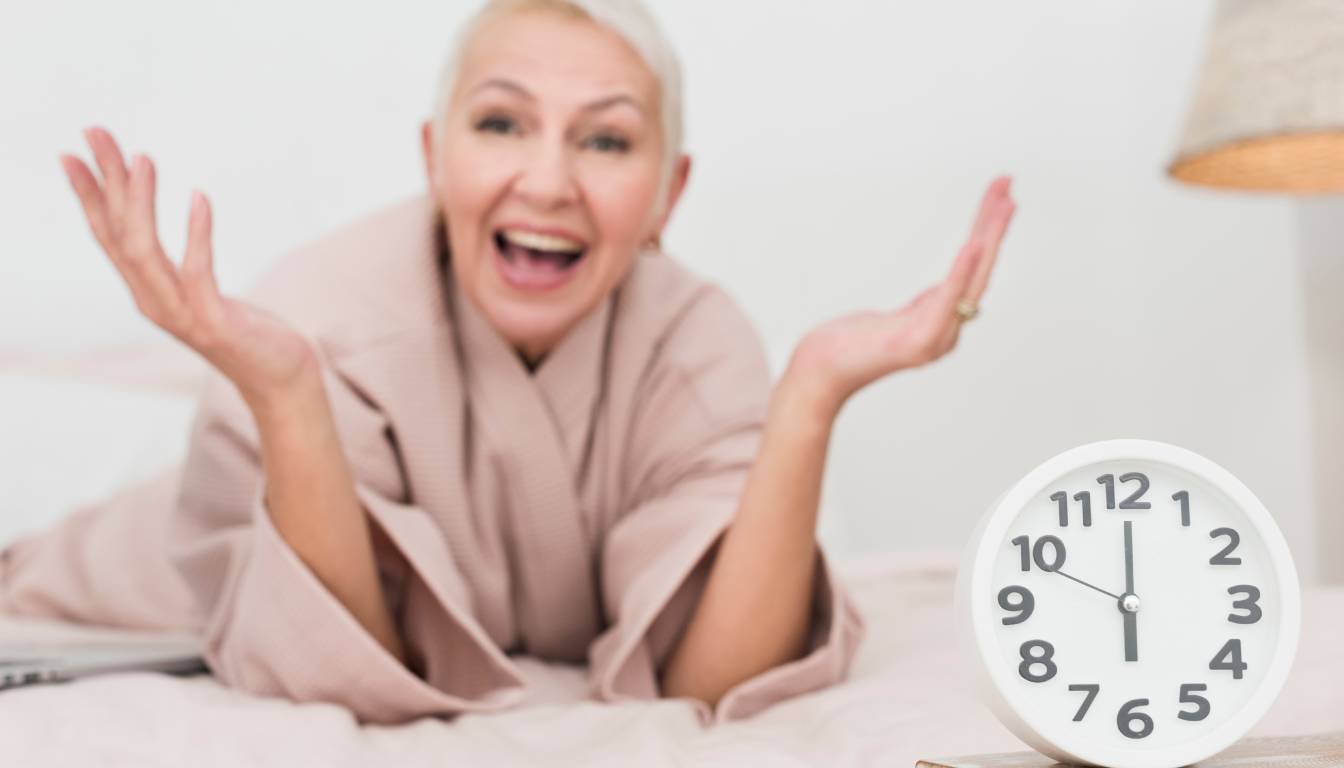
<point>496,124</point>
<point>606,142</point>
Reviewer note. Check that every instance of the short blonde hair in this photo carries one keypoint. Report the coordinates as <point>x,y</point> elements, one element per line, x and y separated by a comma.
<point>627,18</point>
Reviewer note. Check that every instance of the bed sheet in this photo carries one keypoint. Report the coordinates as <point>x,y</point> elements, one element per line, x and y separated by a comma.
<point>909,695</point>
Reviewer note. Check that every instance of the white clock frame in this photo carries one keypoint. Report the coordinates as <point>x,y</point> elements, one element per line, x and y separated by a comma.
<point>976,618</point>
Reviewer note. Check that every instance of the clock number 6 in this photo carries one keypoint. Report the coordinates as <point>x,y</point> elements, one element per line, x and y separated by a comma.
<point>1045,659</point>
<point>1127,716</point>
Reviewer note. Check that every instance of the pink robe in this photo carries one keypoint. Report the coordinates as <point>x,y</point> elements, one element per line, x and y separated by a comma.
<point>571,514</point>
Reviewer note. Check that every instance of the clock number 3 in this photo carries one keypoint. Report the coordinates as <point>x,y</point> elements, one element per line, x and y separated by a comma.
<point>1249,604</point>
<point>1045,658</point>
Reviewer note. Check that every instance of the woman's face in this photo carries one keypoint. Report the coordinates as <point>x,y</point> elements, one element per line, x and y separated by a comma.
<point>547,171</point>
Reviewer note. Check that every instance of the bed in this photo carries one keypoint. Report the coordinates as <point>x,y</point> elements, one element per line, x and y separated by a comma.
<point>909,694</point>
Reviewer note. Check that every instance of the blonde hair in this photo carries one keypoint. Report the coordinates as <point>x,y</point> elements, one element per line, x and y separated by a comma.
<point>627,18</point>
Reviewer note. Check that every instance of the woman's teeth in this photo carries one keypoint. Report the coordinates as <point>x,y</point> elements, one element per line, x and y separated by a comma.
<point>539,242</point>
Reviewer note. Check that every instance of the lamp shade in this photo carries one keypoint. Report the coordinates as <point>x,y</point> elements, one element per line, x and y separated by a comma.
<point>1268,111</point>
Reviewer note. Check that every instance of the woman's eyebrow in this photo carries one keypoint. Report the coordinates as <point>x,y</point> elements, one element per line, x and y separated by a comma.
<point>508,85</point>
<point>613,100</point>
<point>594,106</point>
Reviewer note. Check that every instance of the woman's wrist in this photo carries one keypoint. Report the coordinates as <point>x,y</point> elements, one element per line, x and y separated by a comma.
<point>301,401</point>
<point>805,402</point>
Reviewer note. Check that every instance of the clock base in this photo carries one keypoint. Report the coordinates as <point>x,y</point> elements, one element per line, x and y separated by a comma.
<point>1318,751</point>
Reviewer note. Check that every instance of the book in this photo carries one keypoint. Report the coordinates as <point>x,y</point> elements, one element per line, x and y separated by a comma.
<point>1317,751</point>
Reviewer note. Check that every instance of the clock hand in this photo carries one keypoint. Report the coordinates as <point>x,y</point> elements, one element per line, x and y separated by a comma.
<point>1085,584</point>
<point>1129,603</point>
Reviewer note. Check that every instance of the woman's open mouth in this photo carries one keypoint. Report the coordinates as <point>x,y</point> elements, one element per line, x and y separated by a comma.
<point>536,262</point>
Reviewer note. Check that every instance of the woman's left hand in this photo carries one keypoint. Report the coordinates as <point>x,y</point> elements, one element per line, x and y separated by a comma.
<point>842,356</point>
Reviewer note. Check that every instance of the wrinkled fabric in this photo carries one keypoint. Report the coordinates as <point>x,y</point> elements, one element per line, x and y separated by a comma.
<point>571,513</point>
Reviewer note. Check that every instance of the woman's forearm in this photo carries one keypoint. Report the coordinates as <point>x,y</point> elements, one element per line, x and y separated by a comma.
<point>765,565</point>
<point>310,495</point>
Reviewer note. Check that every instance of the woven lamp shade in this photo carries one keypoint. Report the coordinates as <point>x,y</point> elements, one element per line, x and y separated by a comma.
<point>1268,113</point>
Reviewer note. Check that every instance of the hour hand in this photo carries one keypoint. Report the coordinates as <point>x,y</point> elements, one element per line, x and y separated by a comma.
<point>1129,602</point>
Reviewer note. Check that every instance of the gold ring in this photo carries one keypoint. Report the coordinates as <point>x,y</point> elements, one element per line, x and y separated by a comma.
<point>967,310</point>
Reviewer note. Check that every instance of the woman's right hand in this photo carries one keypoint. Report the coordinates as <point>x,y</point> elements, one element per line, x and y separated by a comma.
<point>260,353</point>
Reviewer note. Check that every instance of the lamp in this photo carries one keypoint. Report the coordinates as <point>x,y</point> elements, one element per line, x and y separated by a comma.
<point>1268,113</point>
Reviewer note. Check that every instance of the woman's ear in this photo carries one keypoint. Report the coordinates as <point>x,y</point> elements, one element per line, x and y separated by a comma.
<point>681,173</point>
<point>427,149</point>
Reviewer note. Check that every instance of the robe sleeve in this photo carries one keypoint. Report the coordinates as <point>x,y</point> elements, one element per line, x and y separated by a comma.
<point>704,408</point>
<point>273,628</point>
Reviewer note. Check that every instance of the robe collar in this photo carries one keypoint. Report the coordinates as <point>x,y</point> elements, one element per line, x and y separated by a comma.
<point>567,382</point>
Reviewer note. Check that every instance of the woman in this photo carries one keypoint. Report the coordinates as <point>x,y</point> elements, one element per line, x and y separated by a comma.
<point>494,421</point>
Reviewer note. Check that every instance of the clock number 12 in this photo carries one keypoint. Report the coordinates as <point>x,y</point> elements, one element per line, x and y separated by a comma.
<point>1132,501</point>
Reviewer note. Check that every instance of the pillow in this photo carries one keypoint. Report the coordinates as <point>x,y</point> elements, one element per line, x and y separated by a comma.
<point>78,428</point>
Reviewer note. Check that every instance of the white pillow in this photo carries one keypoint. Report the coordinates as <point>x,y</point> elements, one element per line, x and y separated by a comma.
<point>74,430</point>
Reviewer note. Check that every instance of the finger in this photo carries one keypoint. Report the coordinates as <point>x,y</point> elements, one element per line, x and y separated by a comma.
<point>90,198</point>
<point>958,280</point>
<point>922,297</point>
<point>997,227</point>
<point>115,176</point>
<point>143,257</point>
<point>997,190</point>
<point>198,271</point>
<point>142,232</point>
<point>940,317</point>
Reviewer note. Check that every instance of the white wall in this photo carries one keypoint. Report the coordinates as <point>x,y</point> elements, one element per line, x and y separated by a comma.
<point>1321,245</point>
<point>840,149</point>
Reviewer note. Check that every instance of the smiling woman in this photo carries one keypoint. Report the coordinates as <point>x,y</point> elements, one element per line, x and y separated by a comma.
<point>548,157</point>
<point>500,422</point>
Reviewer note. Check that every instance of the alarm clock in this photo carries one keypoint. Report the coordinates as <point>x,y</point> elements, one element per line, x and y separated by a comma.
<point>1128,604</point>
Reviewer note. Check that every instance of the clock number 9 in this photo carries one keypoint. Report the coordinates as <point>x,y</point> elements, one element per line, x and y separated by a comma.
<point>1127,716</point>
<point>1045,659</point>
<point>1037,553</point>
<point>1024,605</point>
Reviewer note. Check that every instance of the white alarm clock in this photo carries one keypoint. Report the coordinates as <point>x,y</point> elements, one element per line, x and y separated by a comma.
<point>1129,604</point>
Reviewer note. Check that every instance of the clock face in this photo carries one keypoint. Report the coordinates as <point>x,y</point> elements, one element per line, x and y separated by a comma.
<point>1134,606</point>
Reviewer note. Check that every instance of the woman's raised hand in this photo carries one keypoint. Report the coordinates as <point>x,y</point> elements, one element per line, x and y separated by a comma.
<point>256,350</point>
<point>844,355</point>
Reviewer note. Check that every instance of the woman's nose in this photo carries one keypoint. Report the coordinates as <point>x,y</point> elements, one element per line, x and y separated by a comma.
<point>547,180</point>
